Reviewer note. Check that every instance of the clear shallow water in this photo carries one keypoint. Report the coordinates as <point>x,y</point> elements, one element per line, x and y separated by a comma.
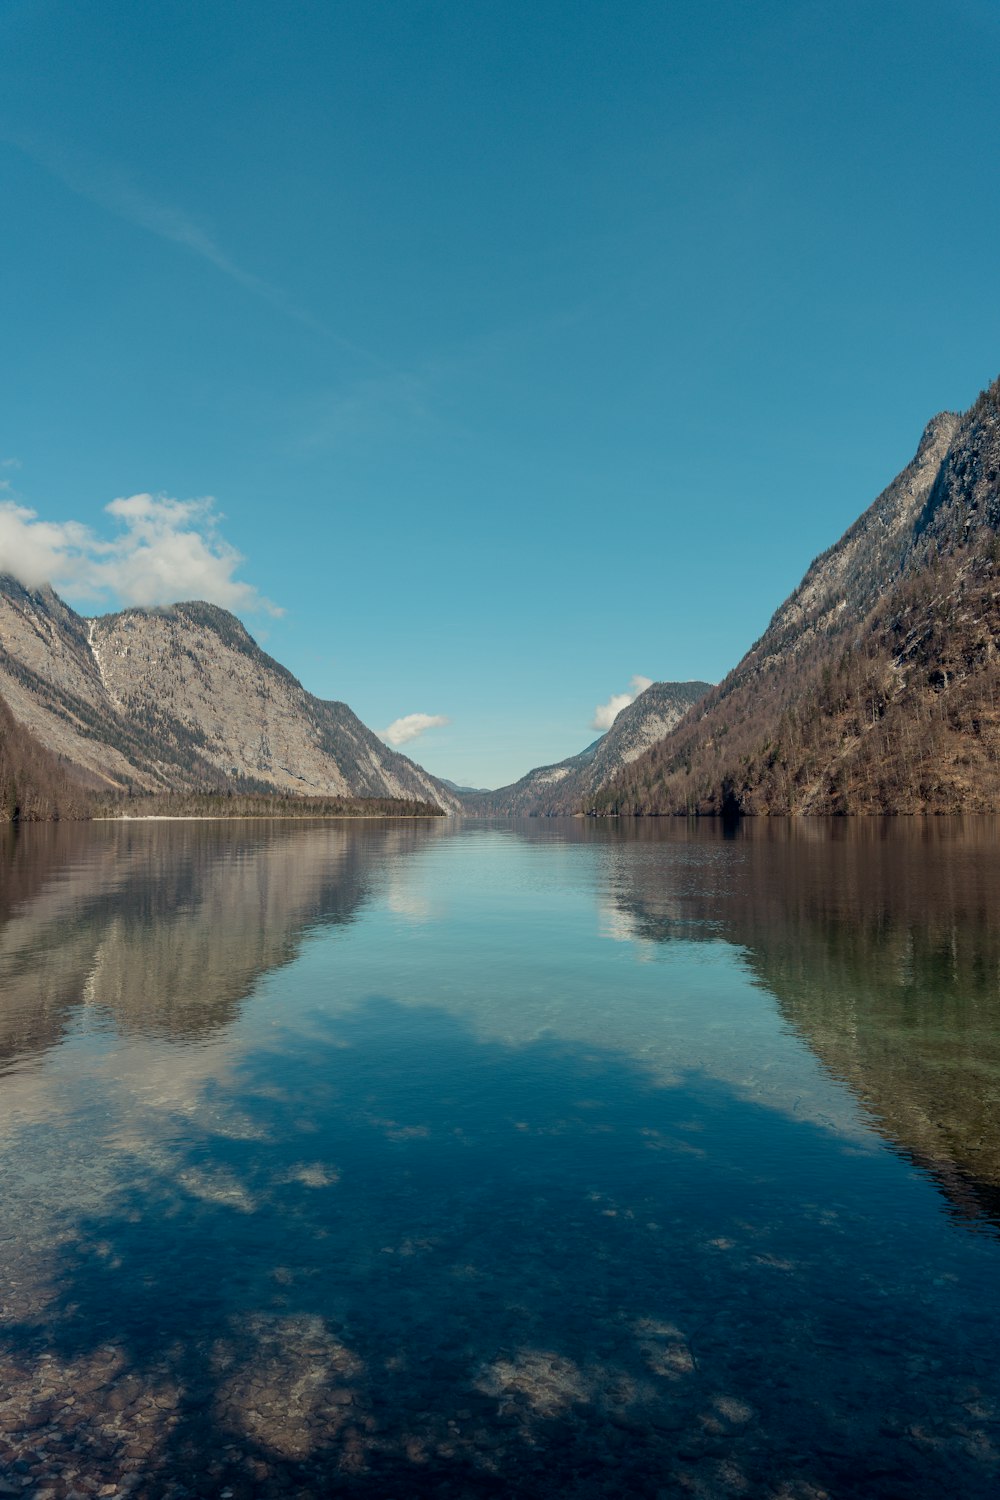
<point>549,1158</point>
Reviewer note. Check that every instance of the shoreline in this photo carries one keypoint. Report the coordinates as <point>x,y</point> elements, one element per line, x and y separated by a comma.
<point>259,817</point>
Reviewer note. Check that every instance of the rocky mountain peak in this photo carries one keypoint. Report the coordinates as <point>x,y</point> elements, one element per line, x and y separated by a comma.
<point>182,697</point>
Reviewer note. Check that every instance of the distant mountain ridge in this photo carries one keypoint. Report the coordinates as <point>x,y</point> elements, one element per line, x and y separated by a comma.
<point>181,697</point>
<point>876,686</point>
<point>563,787</point>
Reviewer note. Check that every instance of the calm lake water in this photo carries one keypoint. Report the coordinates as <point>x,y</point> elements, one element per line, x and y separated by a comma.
<point>395,1159</point>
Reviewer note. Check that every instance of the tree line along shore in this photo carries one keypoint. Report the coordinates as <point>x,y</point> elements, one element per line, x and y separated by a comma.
<point>38,786</point>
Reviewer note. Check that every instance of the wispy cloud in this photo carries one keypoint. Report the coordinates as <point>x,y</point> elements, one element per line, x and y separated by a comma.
<point>166,550</point>
<point>605,714</point>
<point>116,190</point>
<point>400,731</point>
<point>420,398</point>
<point>394,400</point>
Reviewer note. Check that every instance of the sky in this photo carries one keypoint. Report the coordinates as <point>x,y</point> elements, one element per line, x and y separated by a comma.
<point>488,358</point>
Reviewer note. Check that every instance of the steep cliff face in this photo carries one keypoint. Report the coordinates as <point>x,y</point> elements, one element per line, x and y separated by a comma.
<point>876,686</point>
<point>176,698</point>
<point>50,681</point>
<point>844,582</point>
<point>563,787</point>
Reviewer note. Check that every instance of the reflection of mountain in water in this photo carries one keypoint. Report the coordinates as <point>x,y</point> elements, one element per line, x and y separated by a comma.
<point>878,940</point>
<point>881,945</point>
<point>168,926</point>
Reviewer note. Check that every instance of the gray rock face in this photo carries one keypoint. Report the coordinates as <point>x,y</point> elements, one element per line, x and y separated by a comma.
<point>847,580</point>
<point>182,697</point>
<point>563,787</point>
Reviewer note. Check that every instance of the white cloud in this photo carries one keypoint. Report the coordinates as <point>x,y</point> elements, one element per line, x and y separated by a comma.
<point>410,726</point>
<point>605,714</point>
<point>166,550</point>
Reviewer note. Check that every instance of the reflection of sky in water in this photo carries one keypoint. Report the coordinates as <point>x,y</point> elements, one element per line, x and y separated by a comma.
<point>464,1120</point>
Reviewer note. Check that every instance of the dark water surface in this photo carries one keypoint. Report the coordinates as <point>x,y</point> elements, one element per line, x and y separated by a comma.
<point>561,1158</point>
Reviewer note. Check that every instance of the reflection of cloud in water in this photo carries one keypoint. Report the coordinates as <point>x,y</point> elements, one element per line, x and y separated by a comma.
<point>481,1307</point>
<point>620,927</point>
<point>545,1206</point>
<point>405,899</point>
<point>160,934</point>
<point>616,924</point>
<point>217,1186</point>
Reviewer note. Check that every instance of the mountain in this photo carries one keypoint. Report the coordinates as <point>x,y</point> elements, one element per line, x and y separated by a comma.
<point>181,698</point>
<point>876,687</point>
<point>563,787</point>
<point>36,785</point>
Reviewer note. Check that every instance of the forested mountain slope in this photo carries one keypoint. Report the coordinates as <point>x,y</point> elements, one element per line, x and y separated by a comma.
<point>36,785</point>
<point>875,688</point>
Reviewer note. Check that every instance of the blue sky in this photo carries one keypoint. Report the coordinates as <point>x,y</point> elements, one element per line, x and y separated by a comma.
<point>521,348</point>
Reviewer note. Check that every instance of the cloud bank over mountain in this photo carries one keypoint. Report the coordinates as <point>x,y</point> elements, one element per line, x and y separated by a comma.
<point>605,714</point>
<point>166,549</point>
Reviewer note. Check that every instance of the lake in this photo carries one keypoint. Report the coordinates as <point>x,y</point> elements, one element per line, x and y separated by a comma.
<point>556,1157</point>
